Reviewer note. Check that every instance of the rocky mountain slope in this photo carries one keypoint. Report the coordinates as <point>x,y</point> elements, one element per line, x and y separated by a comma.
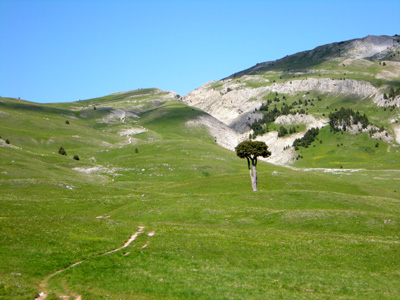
<point>363,74</point>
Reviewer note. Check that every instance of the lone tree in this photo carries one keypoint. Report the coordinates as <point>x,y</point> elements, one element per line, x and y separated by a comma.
<point>251,150</point>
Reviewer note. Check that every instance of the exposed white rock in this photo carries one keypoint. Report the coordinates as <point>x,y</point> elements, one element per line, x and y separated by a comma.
<point>98,169</point>
<point>396,130</point>
<point>229,106</point>
<point>276,146</point>
<point>297,119</point>
<point>4,144</point>
<point>369,46</point>
<point>380,101</point>
<point>132,131</point>
<point>383,136</point>
<point>376,133</point>
<point>224,135</point>
<point>118,115</point>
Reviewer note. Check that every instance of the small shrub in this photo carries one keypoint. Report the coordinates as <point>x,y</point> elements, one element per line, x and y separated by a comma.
<point>76,157</point>
<point>136,150</point>
<point>7,142</point>
<point>62,151</point>
<point>67,122</point>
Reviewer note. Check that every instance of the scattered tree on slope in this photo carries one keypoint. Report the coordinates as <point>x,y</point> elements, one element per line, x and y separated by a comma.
<point>62,151</point>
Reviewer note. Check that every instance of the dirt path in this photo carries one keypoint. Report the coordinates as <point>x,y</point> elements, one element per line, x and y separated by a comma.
<point>127,243</point>
<point>45,282</point>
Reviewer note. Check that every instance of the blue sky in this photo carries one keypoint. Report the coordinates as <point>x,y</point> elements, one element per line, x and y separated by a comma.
<point>63,51</point>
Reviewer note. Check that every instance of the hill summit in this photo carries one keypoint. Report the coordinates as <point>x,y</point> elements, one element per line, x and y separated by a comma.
<point>373,48</point>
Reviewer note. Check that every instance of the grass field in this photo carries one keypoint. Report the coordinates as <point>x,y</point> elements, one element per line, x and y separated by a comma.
<point>305,235</point>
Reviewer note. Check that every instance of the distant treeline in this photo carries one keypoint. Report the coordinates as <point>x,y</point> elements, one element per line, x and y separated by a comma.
<point>307,139</point>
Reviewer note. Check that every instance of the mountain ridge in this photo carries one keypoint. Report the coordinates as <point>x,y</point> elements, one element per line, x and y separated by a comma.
<point>371,46</point>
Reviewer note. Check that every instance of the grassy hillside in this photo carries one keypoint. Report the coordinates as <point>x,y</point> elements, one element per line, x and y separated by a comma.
<point>304,235</point>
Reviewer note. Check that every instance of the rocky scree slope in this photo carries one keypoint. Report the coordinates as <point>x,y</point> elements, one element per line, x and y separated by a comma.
<point>362,69</point>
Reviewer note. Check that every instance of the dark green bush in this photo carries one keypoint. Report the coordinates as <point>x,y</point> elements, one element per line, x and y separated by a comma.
<point>308,138</point>
<point>282,131</point>
<point>62,151</point>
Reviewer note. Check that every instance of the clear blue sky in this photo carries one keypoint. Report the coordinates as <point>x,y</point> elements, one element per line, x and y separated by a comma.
<point>62,51</point>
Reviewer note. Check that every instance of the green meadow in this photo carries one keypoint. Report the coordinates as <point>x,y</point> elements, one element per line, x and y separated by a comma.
<point>308,233</point>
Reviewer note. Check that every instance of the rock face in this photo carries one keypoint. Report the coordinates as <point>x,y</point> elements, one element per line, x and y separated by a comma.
<point>225,105</point>
<point>380,101</point>
<point>237,101</point>
<point>297,119</point>
<point>223,135</point>
<point>361,89</point>
<point>371,46</point>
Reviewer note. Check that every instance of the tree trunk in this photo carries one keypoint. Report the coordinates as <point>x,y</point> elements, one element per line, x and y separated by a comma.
<point>253,173</point>
<point>254,179</point>
<point>253,176</point>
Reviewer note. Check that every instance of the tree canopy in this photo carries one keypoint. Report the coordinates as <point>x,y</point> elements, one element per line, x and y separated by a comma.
<point>252,149</point>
